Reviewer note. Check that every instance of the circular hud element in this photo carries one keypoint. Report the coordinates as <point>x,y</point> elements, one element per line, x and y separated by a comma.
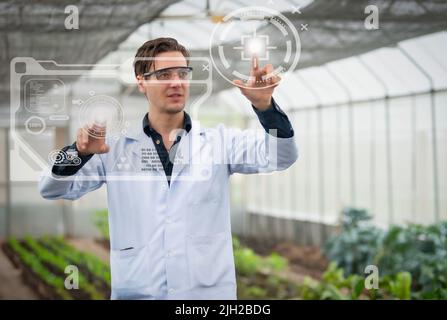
<point>57,157</point>
<point>35,125</point>
<point>232,58</point>
<point>77,161</point>
<point>102,111</point>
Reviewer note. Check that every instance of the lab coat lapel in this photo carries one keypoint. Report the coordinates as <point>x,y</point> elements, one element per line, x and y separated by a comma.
<point>138,140</point>
<point>188,152</point>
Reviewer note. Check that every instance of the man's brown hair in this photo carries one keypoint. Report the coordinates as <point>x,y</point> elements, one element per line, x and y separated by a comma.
<point>152,48</point>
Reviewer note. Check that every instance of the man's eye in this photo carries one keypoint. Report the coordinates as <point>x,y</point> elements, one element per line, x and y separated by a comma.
<point>183,74</point>
<point>164,75</point>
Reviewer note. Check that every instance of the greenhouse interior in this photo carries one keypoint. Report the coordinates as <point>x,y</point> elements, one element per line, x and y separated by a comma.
<point>354,209</point>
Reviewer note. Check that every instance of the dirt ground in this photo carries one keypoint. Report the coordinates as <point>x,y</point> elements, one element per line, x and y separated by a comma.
<point>11,283</point>
<point>91,246</point>
<point>303,260</point>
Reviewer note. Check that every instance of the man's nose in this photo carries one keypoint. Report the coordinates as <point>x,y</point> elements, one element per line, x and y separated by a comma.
<point>175,80</point>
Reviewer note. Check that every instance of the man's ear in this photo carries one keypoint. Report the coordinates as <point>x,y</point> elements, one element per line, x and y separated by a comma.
<point>140,83</point>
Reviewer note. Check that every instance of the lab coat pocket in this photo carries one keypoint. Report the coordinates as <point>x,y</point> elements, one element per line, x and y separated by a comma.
<point>211,260</point>
<point>129,268</point>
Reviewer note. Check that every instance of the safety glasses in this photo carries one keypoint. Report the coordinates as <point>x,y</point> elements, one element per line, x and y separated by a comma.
<point>183,73</point>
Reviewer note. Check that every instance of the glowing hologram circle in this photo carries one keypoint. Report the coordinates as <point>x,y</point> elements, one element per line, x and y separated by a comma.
<point>102,111</point>
<point>257,44</point>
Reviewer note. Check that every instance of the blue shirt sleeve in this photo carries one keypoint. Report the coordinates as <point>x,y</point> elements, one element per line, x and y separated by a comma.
<point>275,118</point>
<point>68,161</point>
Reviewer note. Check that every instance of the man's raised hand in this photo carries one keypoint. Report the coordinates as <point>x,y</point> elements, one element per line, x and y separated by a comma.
<point>91,139</point>
<point>260,86</point>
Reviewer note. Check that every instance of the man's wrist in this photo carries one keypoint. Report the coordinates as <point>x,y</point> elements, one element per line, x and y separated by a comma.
<point>262,105</point>
<point>81,154</point>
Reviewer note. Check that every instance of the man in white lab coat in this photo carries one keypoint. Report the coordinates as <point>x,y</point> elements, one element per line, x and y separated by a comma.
<point>169,215</point>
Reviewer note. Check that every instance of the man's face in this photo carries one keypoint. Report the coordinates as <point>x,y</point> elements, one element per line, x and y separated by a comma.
<point>167,96</point>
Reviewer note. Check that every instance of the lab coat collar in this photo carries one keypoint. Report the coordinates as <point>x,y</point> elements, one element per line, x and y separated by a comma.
<point>189,146</point>
<point>149,130</point>
<point>138,133</point>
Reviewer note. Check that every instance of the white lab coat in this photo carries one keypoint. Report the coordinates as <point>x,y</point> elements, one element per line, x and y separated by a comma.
<point>177,239</point>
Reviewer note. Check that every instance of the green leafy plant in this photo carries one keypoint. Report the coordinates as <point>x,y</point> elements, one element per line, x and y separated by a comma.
<point>260,277</point>
<point>421,251</point>
<point>48,258</point>
<point>415,250</point>
<point>276,262</point>
<point>85,260</point>
<point>358,244</point>
<point>39,269</point>
<point>247,262</point>
<point>400,286</point>
<point>59,263</point>
<point>335,286</point>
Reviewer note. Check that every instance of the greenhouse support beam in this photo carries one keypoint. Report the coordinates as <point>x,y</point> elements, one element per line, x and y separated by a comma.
<point>321,197</point>
<point>389,166</point>
<point>433,129</point>
<point>351,134</point>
